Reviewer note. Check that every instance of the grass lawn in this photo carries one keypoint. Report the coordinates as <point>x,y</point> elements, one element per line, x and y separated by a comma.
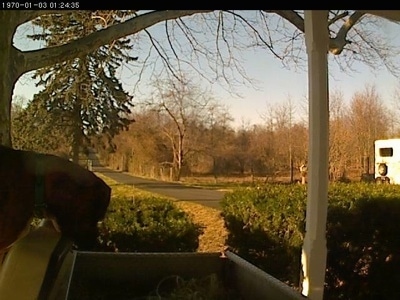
<point>214,236</point>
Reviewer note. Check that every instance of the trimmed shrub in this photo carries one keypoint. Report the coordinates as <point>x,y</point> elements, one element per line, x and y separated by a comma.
<point>266,226</point>
<point>363,244</point>
<point>148,224</point>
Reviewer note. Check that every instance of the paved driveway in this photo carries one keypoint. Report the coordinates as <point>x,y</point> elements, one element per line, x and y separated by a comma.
<point>178,191</point>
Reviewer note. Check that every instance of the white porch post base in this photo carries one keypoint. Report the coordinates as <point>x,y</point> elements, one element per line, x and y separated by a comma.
<point>313,273</point>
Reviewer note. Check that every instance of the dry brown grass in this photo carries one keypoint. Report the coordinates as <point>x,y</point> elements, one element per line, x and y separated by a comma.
<point>214,231</point>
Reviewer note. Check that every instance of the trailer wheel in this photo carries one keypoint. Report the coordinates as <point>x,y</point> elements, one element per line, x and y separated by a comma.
<point>382,169</point>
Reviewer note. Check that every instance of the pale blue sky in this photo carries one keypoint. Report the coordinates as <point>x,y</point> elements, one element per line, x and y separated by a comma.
<point>277,84</point>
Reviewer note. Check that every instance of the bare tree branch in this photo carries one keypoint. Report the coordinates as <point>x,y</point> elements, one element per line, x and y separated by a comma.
<point>36,59</point>
<point>162,54</point>
<point>269,45</point>
<point>337,44</point>
<point>292,16</point>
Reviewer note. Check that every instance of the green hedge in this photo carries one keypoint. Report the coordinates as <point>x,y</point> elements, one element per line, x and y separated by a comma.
<point>266,226</point>
<point>148,224</point>
<point>363,242</point>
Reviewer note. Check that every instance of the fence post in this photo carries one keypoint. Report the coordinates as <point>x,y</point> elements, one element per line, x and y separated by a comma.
<point>89,165</point>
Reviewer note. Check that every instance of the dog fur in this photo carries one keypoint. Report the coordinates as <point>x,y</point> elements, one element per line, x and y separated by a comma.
<point>75,197</point>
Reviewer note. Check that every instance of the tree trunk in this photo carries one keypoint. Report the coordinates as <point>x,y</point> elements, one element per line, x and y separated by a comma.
<point>8,76</point>
<point>291,169</point>
<point>5,108</point>
<point>75,148</point>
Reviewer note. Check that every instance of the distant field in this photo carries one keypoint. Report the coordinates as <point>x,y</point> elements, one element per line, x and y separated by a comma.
<point>233,181</point>
<point>248,180</point>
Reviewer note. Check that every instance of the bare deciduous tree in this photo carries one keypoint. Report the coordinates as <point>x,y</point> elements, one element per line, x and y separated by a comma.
<point>340,137</point>
<point>393,115</point>
<point>367,121</point>
<point>180,103</point>
<point>212,141</point>
<point>289,141</point>
<point>142,149</point>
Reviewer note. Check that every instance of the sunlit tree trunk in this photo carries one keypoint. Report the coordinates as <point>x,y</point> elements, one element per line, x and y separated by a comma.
<point>8,76</point>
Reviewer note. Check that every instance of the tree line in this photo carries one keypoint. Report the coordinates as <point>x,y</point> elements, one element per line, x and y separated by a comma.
<point>182,130</point>
<point>277,147</point>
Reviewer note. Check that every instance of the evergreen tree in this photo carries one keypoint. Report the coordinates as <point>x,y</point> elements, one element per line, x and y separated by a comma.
<point>84,92</point>
<point>34,128</point>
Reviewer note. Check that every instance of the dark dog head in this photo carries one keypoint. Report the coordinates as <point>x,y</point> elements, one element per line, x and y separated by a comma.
<point>71,195</point>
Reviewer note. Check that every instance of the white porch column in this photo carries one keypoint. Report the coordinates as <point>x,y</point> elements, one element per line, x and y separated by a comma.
<point>314,248</point>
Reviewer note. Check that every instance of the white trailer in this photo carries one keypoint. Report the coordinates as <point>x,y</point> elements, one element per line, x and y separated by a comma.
<point>387,161</point>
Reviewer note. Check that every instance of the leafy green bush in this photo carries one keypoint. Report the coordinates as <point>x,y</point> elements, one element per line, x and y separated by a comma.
<point>266,226</point>
<point>148,224</point>
<point>363,244</point>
